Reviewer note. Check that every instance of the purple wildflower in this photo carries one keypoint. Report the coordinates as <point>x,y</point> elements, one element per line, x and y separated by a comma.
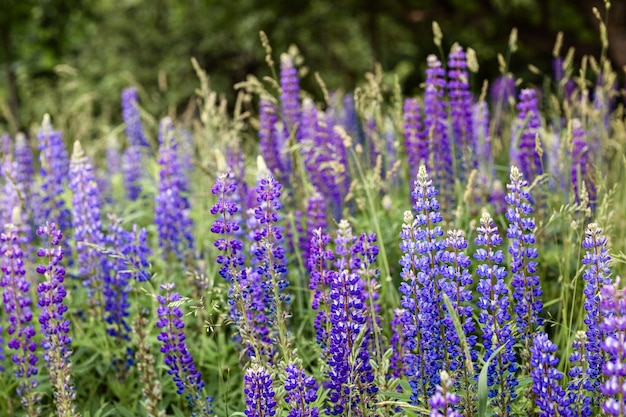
<point>301,391</point>
<point>494,317</point>
<point>443,401</point>
<point>226,226</point>
<point>116,283</point>
<point>270,253</point>
<point>246,292</point>
<point>435,132</point>
<point>271,142</point>
<point>17,308</point>
<point>174,225</point>
<point>54,168</point>
<point>187,378</point>
<point>260,397</point>
<point>579,387</point>
<point>613,305</point>
<point>524,153</point>
<point>581,170</point>
<point>289,94</point>
<point>424,330</point>
<point>455,282</point>
<point>397,363</point>
<point>54,325</point>
<point>132,161</point>
<point>461,112</point>
<point>351,383</point>
<point>319,283</point>
<point>315,219</point>
<point>549,395</point>
<point>87,224</point>
<point>526,287</point>
<point>597,274</point>
<point>132,118</point>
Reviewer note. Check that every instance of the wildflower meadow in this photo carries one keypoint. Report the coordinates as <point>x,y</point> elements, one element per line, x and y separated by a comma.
<point>453,252</point>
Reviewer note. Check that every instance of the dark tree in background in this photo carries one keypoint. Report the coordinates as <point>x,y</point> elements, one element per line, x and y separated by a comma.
<point>55,52</point>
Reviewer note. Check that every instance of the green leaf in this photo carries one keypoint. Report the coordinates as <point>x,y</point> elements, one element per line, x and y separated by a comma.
<point>483,389</point>
<point>458,327</point>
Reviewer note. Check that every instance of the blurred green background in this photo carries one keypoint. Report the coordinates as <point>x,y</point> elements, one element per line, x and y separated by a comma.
<point>75,56</point>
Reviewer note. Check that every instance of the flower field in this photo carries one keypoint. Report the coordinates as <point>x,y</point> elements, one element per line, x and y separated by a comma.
<point>370,254</point>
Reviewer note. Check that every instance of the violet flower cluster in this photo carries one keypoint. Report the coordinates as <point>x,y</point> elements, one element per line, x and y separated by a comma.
<point>321,276</point>
<point>350,383</point>
<point>54,168</point>
<point>525,153</point>
<point>133,156</point>
<point>440,163</point>
<point>172,207</point>
<point>246,291</point>
<point>461,113</point>
<point>259,392</point>
<point>494,317</point>
<point>186,376</point>
<point>270,143</point>
<point>521,232</point>
<point>613,305</point>
<point>423,325</point>
<point>549,396</point>
<point>17,309</point>
<point>289,95</point>
<point>55,326</point>
<point>300,392</point>
<point>579,386</point>
<point>581,165</point>
<point>315,219</point>
<point>443,403</point>
<point>455,282</point>
<point>597,274</point>
<point>270,253</point>
<point>87,225</point>
<point>227,227</point>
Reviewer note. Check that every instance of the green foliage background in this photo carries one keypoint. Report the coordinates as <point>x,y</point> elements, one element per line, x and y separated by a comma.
<point>77,55</point>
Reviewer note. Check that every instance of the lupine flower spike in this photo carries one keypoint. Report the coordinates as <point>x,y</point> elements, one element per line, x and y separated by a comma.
<point>461,112</point>
<point>494,317</point>
<point>579,386</point>
<point>259,392</point>
<point>613,305</point>
<point>524,153</point>
<point>17,307</point>
<point>87,226</point>
<point>597,274</point>
<point>174,224</point>
<point>423,326</point>
<point>132,158</point>
<point>54,325</point>
<point>548,394</point>
<point>186,376</point>
<point>54,168</point>
<point>245,293</point>
<point>444,402</point>
<point>301,391</point>
<point>521,232</point>
<point>350,373</point>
